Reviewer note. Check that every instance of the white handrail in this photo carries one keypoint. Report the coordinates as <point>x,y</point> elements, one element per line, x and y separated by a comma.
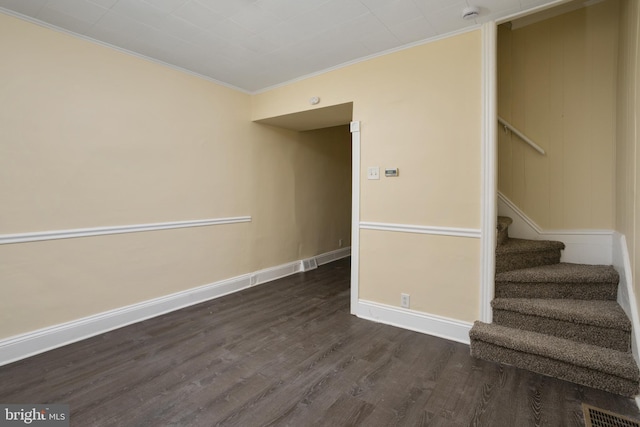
<point>522,136</point>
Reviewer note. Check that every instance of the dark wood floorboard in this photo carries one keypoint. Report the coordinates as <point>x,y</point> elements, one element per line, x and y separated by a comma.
<point>288,353</point>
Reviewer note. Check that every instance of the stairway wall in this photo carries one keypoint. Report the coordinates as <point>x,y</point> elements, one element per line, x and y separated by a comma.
<point>581,246</point>
<point>627,221</point>
<point>556,83</point>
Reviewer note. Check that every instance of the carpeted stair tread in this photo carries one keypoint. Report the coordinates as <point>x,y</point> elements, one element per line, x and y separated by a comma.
<point>556,319</point>
<point>612,362</point>
<point>561,273</point>
<point>516,254</point>
<point>521,246</point>
<point>606,314</point>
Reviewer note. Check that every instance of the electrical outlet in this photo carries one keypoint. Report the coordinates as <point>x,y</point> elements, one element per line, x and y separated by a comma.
<point>404,300</point>
<point>340,243</point>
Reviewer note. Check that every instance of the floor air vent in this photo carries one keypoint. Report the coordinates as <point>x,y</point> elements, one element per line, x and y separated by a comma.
<point>309,264</point>
<point>596,417</point>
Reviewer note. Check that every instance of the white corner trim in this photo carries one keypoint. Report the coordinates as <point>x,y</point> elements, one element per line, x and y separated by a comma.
<point>355,215</point>
<point>489,168</point>
<point>581,246</point>
<point>120,229</point>
<point>421,229</point>
<point>31,343</point>
<point>430,324</point>
<point>626,295</point>
<point>428,40</point>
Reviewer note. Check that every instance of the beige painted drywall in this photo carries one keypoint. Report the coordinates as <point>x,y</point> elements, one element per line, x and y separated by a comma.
<point>94,137</point>
<point>323,189</point>
<point>627,144</point>
<point>436,272</point>
<point>302,190</point>
<point>557,84</point>
<point>420,111</point>
<point>50,282</point>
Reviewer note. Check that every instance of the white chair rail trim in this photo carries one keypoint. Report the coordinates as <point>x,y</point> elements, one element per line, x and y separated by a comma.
<point>422,229</point>
<point>37,236</point>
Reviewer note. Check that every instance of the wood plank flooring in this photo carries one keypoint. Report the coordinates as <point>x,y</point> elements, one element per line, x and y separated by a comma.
<point>288,353</point>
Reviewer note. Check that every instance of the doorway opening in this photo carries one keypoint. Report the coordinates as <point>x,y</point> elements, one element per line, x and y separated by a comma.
<point>326,169</point>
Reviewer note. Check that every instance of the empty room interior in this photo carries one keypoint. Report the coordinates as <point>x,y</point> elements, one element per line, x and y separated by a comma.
<point>328,212</point>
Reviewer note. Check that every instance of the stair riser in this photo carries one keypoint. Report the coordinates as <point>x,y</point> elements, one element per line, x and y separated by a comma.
<point>582,291</point>
<point>615,339</point>
<point>509,262</point>
<point>503,235</point>
<point>554,368</point>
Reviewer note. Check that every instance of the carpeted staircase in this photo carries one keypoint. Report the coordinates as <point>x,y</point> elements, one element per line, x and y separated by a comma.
<point>556,318</point>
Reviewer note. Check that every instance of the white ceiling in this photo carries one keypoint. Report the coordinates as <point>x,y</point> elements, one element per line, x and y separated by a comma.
<point>255,44</point>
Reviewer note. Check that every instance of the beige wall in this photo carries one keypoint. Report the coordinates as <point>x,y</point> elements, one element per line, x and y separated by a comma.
<point>92,137</point>
<point>627,146</point>
<point>439,272</point>
<point>420,111</point>
<point>557,84</point>
<point>302,190</point>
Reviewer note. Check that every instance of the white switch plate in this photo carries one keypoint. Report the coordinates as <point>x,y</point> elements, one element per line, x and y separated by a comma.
<point>373,172</point>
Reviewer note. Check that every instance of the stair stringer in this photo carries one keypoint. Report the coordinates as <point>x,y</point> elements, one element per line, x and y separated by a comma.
<point>581,246</point>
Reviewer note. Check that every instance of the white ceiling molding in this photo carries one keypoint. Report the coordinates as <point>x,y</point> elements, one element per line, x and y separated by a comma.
<point>252,45</point>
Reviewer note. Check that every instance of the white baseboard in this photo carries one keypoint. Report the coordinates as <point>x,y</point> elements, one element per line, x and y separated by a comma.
<point>29,344</point>
<point>333,255</point>
<point>581,246</point>
<point>430,324</point>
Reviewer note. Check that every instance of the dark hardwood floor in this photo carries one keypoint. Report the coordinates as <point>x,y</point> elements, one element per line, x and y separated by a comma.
<point>289,353</point>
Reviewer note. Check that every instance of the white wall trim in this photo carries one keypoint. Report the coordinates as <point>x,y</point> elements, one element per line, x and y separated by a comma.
<point>119,49</point>
<point>119,229</point>
<point>432,39</point>
<point>35,342</point>
<point>626,295</point>
<point>431,324</point>
<point>538,230</point>
<point>581,246</point>
<point>489,168</point>
<point>531,11</point>
<point>355,215</point>
<point>328,257</point>
<point>473,233</point>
